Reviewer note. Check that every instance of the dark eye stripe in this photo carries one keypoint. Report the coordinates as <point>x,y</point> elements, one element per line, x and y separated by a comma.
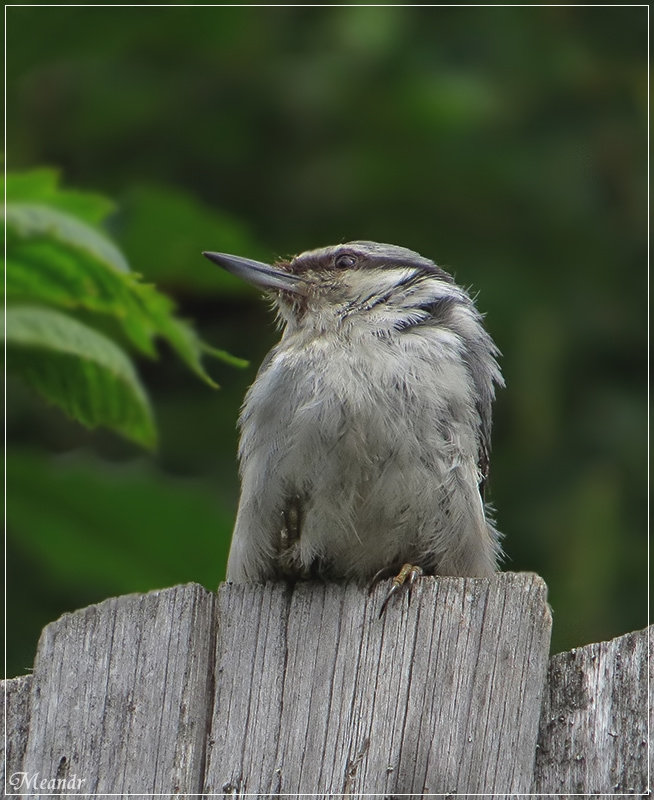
<point>438,311</point>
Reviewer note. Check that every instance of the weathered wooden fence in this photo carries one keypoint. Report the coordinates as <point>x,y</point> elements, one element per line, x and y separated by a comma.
<point>267,690</point>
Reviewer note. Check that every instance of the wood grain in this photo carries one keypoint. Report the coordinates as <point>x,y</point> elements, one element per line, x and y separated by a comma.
<point>594,726</point>
<point>315,694</point>
<point>277,690</point>
<point>15,715</point>
<point>120,693</point>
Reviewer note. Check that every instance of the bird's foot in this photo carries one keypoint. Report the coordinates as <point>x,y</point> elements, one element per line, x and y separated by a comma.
<point>407,576</point>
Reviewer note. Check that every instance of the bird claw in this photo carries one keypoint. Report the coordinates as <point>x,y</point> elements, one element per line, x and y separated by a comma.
<point>407,576</point>
<point>384,572</point>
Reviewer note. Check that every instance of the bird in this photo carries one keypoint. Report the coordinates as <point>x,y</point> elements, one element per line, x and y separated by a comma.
<point>365,437</point>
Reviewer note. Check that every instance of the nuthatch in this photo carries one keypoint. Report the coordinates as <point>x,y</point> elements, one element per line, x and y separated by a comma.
<point>365,437</point>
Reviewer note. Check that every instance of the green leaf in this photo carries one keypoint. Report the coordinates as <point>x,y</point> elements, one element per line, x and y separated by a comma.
<point>45,271</point>
<point>157,308</point>
<point>27,220</point>
<point>55,259</point>
<point>223,355</point>
<point>40,186</point>
<point>80,370</point>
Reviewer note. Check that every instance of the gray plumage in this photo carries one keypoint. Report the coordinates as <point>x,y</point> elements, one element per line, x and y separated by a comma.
<point>365,437</point>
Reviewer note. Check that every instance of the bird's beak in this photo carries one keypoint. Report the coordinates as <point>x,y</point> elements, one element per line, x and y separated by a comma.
<point>262,275</point>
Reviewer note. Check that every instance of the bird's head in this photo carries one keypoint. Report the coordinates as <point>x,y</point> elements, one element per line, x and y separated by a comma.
<point>385,285</point>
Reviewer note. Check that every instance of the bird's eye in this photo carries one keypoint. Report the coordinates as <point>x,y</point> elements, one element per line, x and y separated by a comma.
<point>345,261</point>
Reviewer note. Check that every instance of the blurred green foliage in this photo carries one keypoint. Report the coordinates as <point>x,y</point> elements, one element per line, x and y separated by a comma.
<point>58,259</point>
<point>508,143</point>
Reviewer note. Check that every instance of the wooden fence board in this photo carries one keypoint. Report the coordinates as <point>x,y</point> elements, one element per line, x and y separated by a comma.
<point>441,695</point>
<point>119,694</point>
<point>15,720</point>
<point>593,731</point>
<point>304,690</point>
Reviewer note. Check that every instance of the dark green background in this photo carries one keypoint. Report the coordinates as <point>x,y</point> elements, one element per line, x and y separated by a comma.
<point>508,143</point>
